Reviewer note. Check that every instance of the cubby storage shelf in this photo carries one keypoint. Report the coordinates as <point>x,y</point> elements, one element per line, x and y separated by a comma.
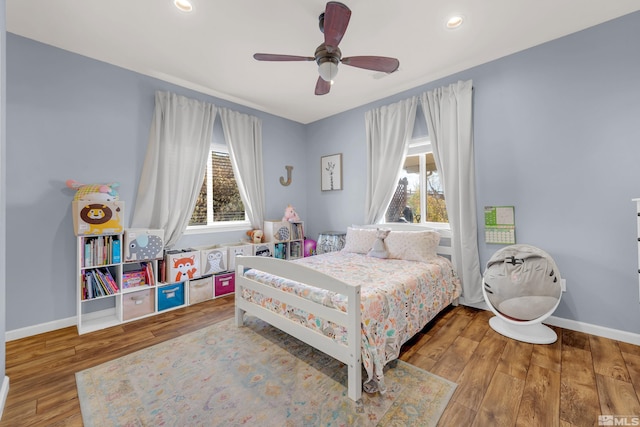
<point>287,238</point>
<point>139,301</point>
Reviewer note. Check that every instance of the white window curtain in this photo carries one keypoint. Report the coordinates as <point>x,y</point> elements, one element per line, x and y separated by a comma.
<point>243,134</point>
<point>389,129</point>
<point>448,112</point>
<point>179,141</point>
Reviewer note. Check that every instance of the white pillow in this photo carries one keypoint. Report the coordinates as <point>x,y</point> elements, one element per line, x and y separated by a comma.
<point>413,245</point>
<point>359,240</point>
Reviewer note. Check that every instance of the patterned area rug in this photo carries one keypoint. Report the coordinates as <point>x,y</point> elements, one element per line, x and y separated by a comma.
<point>256,375</point>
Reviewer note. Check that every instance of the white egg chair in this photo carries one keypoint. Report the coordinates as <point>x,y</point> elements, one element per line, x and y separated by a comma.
<point>522,286</point>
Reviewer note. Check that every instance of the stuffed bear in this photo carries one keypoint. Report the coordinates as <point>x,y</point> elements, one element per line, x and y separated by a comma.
<point>379,249</point>
<point>255,235</point>
<point>290,214</point>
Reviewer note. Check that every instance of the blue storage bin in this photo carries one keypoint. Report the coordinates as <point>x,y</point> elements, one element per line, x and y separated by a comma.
<point>170,296</point>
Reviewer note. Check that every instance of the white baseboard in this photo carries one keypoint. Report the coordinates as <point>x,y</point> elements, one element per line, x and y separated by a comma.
<point>574,325</point>
<point>16,334</point>
<point>4,392</point>
<point>482,305</point>
<point>601,331</point>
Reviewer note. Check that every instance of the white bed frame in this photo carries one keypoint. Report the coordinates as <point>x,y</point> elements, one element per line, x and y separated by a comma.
<point>351,320</point>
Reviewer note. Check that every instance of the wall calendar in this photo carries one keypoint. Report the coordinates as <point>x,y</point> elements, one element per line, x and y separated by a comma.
<point>499,225</point>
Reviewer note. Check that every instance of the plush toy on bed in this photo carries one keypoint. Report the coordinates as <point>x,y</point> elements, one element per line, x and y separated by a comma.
<point>255,235</point>
<point>379,249</point>
<point>290,214</point>
<point>94,192</point>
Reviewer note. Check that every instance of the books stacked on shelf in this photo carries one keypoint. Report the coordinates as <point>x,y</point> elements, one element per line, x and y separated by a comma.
<point>97,283</point>
<point>149,276</point>
<point>297,231</point>
<point>162,270</point>
<point>280,251</point>
<point>132,279</point>
<point>295,250</point>
<point>139,277</point>
<point>101,250</point>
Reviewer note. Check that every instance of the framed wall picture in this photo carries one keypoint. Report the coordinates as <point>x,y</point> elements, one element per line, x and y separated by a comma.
<point>331,172</point>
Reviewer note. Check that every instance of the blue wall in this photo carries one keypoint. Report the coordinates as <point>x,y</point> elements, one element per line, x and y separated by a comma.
<point>3,187</point>
<point>69,116</point>
<point>554,136</point>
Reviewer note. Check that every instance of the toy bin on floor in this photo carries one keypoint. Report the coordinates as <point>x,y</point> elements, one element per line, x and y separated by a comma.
<point>224,284</point>
<point>138,304</point>
<point>170,296</point>
<point>200,290</point>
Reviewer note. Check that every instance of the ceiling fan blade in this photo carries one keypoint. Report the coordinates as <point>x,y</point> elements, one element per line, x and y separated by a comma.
<point>322,86</point>
<point>336,19</point>
<point>274,57</point>
<point>375,63</point>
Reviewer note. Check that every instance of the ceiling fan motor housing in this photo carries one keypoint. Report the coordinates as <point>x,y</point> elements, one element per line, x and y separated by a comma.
<point>323,55</point>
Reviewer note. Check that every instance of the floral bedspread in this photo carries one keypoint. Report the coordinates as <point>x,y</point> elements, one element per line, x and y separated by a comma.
<point>398,298</point>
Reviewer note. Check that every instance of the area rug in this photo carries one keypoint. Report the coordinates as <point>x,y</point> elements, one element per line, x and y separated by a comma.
<point>254,375</point>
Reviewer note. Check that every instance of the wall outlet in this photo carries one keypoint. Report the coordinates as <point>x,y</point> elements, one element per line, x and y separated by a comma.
<point>563,285</point>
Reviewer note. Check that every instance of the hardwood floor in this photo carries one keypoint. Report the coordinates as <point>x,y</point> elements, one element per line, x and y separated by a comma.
<point>501,382</point>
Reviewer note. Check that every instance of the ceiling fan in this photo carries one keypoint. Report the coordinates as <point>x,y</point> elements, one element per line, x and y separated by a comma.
<point>333,23</point>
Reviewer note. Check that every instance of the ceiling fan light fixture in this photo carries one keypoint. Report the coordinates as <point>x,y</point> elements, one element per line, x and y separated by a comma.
<point>454,22</point>
<point>328,71</point>
<point>183,5</point>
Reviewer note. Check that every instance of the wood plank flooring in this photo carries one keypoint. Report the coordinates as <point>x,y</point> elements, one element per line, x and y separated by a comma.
<point>501,382</point>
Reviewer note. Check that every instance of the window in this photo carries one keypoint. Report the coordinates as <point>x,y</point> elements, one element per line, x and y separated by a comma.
<point>419,177</point>
<point>219,201</point>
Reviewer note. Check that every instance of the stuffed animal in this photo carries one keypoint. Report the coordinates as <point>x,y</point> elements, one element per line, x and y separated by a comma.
<point>290,214</point>
<point>379,249</point>
<point>94,192</point>
<point>255,235</point>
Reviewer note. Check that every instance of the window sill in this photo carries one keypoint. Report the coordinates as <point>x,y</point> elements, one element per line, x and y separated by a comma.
<point>219,228</point>
<point>438,225</point>
<point>434,225</point>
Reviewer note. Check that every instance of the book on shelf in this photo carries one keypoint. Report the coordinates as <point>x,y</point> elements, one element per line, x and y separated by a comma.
<point>115,251</point>
<point>94,289</point>
<point>87,254</point>
<point>98,283</point>
<point>102,286</point>
<point>110,280</point>
<point>88,286</point>
<point>149,276</point>
<point>101,250</point>
<point>162,270</point>
<point>280,251</point>
<point>134,278</point>
<point>295,249</point>
<point>297,231</point>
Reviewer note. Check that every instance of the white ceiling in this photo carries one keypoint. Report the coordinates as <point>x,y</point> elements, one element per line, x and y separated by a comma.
<point>210,49</point>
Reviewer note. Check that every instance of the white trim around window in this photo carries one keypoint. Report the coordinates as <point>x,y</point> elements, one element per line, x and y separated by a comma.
<point>220,227</point>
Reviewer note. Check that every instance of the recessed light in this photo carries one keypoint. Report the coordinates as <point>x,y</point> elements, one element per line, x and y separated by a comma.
<point>183,5</point>
<point>454,22</point>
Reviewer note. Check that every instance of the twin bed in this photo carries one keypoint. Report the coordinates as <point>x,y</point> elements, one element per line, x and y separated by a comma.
<point>356,308</point>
